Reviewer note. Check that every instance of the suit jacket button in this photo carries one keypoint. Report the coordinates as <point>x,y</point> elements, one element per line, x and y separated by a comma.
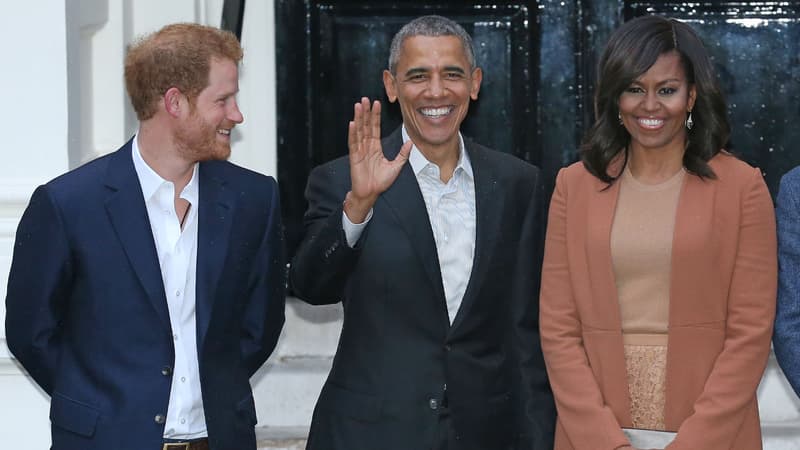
<point>166,371</point>
<point>433,404</point>
<point>160,419</point>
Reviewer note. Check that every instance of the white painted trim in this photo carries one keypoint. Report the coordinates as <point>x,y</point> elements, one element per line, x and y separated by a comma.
<point>17,191</point>
<point>10,366</point>
<point>14,197</point>
<point>281,433</point>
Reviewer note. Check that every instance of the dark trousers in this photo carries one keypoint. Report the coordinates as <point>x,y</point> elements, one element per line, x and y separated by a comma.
<point>445,429</point>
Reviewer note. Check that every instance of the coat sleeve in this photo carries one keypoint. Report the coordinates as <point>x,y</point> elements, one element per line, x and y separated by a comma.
<point>731,386</point>
<point>323,261</point>
<point>787,320</point>
<point>589,423</point>
<point>264,317</point>
<point>537,410</point>
<point>39,287</point>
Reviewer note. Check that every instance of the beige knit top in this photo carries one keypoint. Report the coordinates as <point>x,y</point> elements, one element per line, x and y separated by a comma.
<point>641,250</point>
<point>641,254</point>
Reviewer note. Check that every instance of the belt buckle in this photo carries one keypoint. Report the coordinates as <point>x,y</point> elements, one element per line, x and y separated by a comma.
<point>176,446</point>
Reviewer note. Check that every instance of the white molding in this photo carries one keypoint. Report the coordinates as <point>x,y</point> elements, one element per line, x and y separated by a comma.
<point>9,366</point>
<point>17,191</point>
<point>14,196</point>
<point>269,433</point>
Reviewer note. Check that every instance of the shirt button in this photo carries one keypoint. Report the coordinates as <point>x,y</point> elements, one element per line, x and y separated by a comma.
<point>160,419</point>
<point>166,371</point>
<point>183,420</point>
<point>178,293</point>
<point>175,337</point>
<point>433,404</point>
<point>183,379</point>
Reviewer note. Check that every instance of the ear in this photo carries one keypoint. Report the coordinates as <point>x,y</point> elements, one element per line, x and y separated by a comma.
<point>477,77</point>
<point>692,98</point>
<point>388,84</point>
<point>173,101</point>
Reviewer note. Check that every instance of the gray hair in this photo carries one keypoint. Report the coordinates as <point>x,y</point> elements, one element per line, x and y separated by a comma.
<point>430,26</point>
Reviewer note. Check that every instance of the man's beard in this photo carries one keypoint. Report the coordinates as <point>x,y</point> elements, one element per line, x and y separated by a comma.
<point>197,141</point>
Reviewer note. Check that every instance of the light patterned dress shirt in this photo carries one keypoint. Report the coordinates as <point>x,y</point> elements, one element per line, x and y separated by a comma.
<point>451,211</point>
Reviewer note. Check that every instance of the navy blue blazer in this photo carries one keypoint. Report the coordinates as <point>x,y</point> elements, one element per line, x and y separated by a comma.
<point>87,313</point>
<point>787,321</point>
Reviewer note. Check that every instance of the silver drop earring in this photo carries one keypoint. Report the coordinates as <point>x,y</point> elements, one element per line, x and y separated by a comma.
<point>689,121</point>
<point>619,117</point>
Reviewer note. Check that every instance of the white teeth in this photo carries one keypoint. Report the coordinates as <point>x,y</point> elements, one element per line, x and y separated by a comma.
<point>651,122</point>
<point>436,112</point>
<point>225,132</point>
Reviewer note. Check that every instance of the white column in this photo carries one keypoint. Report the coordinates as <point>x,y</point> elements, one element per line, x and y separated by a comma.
<point>36,133</point>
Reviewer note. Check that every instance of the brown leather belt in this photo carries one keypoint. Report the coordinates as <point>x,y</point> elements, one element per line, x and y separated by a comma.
<point>197,444</point>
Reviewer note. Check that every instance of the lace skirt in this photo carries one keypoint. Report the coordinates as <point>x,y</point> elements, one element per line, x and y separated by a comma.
<point>647,369</point>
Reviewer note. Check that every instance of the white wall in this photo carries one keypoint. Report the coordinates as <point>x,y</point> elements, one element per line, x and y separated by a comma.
<point>35,148</point>
<point>66,103</point>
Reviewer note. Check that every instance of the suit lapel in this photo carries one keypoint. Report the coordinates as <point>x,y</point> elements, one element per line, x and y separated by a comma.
<point>404,200</point>
<point>601,208</point>
<point>692,241</point>
<point>488,204</point>
<point>214,215</point>
<point>128,215</point>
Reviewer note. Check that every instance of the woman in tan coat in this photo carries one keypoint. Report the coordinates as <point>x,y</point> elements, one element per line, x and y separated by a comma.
<point>659,276</point>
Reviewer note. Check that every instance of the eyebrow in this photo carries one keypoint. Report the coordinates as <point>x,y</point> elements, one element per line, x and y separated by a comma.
<point>669,80</point>
<point>421,70</point>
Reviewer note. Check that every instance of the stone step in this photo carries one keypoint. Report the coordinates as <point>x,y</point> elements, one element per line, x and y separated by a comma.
<point>281,438</point>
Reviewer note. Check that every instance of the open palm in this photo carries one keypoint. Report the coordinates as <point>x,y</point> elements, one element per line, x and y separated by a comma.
<point>370,172</point>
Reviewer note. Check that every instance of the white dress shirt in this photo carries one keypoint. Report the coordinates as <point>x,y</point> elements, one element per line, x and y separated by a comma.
<point>451,210</point>
<point>177,256</point>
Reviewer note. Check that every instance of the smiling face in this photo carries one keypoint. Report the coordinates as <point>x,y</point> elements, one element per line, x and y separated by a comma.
<point>654,107</point>
<point>204,134</point>
<point>434,84</point>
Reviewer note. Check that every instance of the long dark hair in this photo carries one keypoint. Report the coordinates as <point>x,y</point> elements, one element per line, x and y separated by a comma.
<point>630,52</point>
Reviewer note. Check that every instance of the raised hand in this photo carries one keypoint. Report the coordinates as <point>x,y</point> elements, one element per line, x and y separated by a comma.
<point>370,172</point>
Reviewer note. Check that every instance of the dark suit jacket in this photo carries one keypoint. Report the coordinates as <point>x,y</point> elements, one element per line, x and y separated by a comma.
<point>87,314</point>
<point>397,350</point>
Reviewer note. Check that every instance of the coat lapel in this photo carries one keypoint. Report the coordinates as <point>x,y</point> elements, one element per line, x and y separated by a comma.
<point>128,215</point>
<point>405,201</point>
<point>488,204</point>
<point>214,215</point>
<point>602,205</point>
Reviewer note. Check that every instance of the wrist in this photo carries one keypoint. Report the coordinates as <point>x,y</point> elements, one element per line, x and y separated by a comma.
<point>356,208</point>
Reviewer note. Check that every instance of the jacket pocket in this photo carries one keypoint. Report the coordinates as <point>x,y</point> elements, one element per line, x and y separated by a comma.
<point>246,408</point>
<point>356,405</point>
<point>72,415</point>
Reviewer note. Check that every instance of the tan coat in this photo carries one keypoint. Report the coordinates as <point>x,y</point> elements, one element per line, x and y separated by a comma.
<point>722,305</point>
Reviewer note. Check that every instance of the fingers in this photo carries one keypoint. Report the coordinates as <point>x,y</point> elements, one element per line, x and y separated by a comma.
<point>352,137</point>
<point>402,156</point>
<point>375,120</point>
<point>358,120</point>
<point>365,118</point>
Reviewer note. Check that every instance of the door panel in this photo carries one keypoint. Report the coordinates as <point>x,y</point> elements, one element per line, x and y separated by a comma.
<point>335,52</point>
<point>539,61</point>
<point>755,47</point>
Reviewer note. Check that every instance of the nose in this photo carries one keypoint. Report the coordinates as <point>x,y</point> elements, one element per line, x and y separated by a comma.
<point>651,102</point>
<point>234,114</point>
<point>435,86</point>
